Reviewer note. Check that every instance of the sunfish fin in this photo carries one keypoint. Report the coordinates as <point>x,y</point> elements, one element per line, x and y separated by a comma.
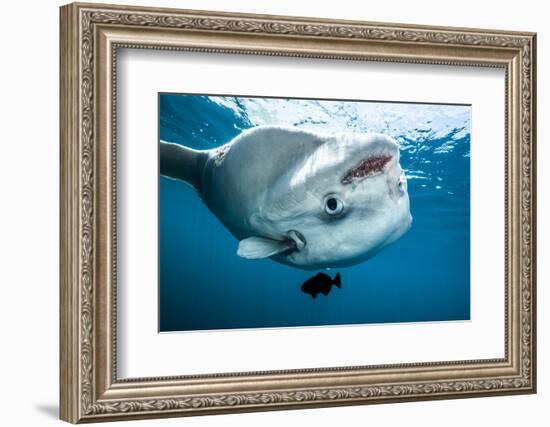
<point>183,163</point>
<point>261,247</point>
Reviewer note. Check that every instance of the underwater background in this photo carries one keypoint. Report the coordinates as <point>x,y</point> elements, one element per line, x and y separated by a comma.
<point>423,276</point>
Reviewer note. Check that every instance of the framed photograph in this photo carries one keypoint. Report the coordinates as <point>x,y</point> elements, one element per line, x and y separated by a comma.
<point>267,212</point>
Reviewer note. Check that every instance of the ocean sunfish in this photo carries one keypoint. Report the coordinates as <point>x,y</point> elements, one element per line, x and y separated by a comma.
<point>301,198</point>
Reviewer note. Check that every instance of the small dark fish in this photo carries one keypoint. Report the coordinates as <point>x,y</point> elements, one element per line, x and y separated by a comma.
<point>321,283</point>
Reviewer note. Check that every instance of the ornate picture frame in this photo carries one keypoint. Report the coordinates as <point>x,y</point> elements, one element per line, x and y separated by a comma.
<point>91,34</point>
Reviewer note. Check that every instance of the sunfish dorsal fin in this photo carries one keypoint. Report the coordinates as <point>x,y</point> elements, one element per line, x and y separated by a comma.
<point>261,247</point>
<point>183,163</point>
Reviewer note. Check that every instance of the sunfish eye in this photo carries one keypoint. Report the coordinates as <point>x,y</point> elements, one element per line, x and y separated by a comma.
<point>333,206</point>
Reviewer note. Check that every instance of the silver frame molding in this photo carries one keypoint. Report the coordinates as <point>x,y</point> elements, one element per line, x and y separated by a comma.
<point>90,37</point>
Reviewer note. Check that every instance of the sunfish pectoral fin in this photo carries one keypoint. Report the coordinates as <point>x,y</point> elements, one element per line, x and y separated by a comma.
<point>261,247</point>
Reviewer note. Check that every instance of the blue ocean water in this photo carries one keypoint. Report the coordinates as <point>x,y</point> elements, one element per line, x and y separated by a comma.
<point>424,276</point>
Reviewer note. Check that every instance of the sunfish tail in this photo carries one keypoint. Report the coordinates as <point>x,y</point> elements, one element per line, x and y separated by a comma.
<point>183,163</point>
